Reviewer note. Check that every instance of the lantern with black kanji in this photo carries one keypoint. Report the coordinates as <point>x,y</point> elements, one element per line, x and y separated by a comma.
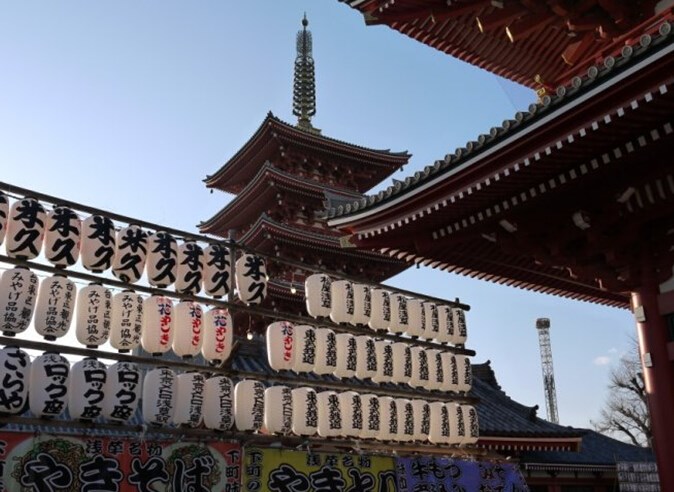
<point>94,312</point>
<point>278,410</point>
<point>388,429</point>
<point>62,237</point>
<point>347,356</point>
<point>405,412</point>
<point>159,396</point>
<point>251,279</point>
<point>432,317</point>
<point>380,309</point>
<point>218,335</point>
<point>317,292</point>
<point>190,268</point>
<point>399,317</point>
<point>249,405</point>
<point>384,352</point>
<point>25,229</point>
<point>362,304</point>
<point>305,353</point>
<point>436,375</point>
<point>422,420</point>
<point>122,391</point>
<point>457,423</point>
<point>471,423</point>
<point>4,212</point>
<point>130,254</point>
<point>417,318</point>
<point>445,324</point>
<point>189,399</point>
<point>188,327</point>
<point>420,373</point>
<point>366,364</point>
<point>281,345</point>
<point>465,373</point>
<point>305,411</point>
<point>162,259</point>
<point>439,428</point>
<point>98,240</point>
<point>351,408</point>
<point>402,363</point>
<point>55,307</point>
<point>342,302</point>
<point>371,416</point>
<point>126,324</point>
<point>157,333</point>
<point>87,389</point>
<point>329,414</point>
<point>15,375</point>
<point>326,347</point>
<point>450,372</point>
<point>460,331</point>
<point>218,408</point>
<point>48,395</point>
<point>18,292</point>
<point>217,271</point>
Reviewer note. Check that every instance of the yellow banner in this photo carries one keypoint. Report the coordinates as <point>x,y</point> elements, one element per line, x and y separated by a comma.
<point>296,471</point>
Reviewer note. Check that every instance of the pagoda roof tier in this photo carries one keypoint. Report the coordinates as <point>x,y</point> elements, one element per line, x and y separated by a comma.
<point>267,234</point>
<point>261,191</point>
<point>554,200</point>
<point>275,135</point>
<point>538,44</point>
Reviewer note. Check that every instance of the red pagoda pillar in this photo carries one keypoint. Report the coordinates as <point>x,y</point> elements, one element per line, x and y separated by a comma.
<point>654,343</point>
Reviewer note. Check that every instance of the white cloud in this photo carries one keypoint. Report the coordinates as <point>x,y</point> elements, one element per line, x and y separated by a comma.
<point>613,350</point>
<point>602,360</point>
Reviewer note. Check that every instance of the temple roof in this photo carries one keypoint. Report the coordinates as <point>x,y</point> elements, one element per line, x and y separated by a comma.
<point>273,133</point>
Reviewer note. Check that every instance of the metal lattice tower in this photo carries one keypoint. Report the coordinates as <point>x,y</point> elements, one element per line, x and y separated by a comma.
<point>543,327</point>
<point>304,87</point>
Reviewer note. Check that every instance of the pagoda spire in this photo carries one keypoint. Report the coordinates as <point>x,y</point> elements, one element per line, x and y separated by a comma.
<point>304,87</point>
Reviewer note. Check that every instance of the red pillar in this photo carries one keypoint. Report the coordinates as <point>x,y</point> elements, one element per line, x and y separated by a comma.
<point>659,376</point>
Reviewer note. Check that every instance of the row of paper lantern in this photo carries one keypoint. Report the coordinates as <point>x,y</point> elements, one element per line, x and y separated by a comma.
<point>303,348</point>
<point>359,304</point>
<point>26,225</point>
<point>125,319</point>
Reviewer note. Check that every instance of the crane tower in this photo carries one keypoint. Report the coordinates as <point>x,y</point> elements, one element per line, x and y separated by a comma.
<point>543,327</point>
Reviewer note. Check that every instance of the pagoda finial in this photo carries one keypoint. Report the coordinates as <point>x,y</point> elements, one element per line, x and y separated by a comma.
<point>304,88</point>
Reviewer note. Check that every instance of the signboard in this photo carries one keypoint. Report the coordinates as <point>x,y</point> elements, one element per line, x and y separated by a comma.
<point>445,474</point>
<point>296,471</point>
<point>638,477</point>
<point>49,463</point>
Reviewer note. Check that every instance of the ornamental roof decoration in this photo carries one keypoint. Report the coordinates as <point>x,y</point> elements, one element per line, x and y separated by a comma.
<point>304,87</point>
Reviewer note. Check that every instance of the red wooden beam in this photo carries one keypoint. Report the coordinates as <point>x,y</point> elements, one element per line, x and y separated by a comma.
<point>438,14</point>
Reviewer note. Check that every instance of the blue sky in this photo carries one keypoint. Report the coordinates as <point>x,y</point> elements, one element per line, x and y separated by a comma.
<point>128,105</point>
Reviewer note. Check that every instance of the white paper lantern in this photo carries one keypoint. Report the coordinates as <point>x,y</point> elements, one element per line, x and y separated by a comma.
<point>278,410</point>
<point>94,311</point>
<point>305,411</point>
<point>130,254</point>
<point>218,336</point>
<point>415,311</point>
<point>157,333</point>
<point>439,433</point>
<point>384,351</point>
<point>436,375</point>
<point>126,323</point>
<point>190,268</point>
<point>25,229</point>
<point>450,372</point>
<point>4,212</point>
<point>188,328</point>
<point>366,364</point>
<point>402,363</point>
<point>326,347</point>
<point>48,393</point>
<point>189,399</point>
<point>362,304</point>
<point>122,391</point>
<point>317,292</point>
<point>18,290</point>
<point>422,420</point>
<point>400,321</point>
<point>62,237</point>
<point>431,315</point>
<point>371,416</point>
<point>305,354</point>
<point>465,373</point>
<point>420,373</point>
<point>55,307</point>
<point>162,259</point>
<point>351,408</point>
<point>347,356</point>
<point>342,301</point>
<point>405,412</point>
<point>251,279</point>
<point>218,406</point>
<point>389,419</point>
<point>471,422</point>
<point>249,405</point>
<point>218,270</point>
<point>381,309</point>
<point>330,420</point>
<point>445,324</point>
<point>98,243</point>
<point>14,379</point>
<point>460,331</point>
<point>86,389</point>
<point>159,396</point>
<point>457,425</point>
<point>281,345</point>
